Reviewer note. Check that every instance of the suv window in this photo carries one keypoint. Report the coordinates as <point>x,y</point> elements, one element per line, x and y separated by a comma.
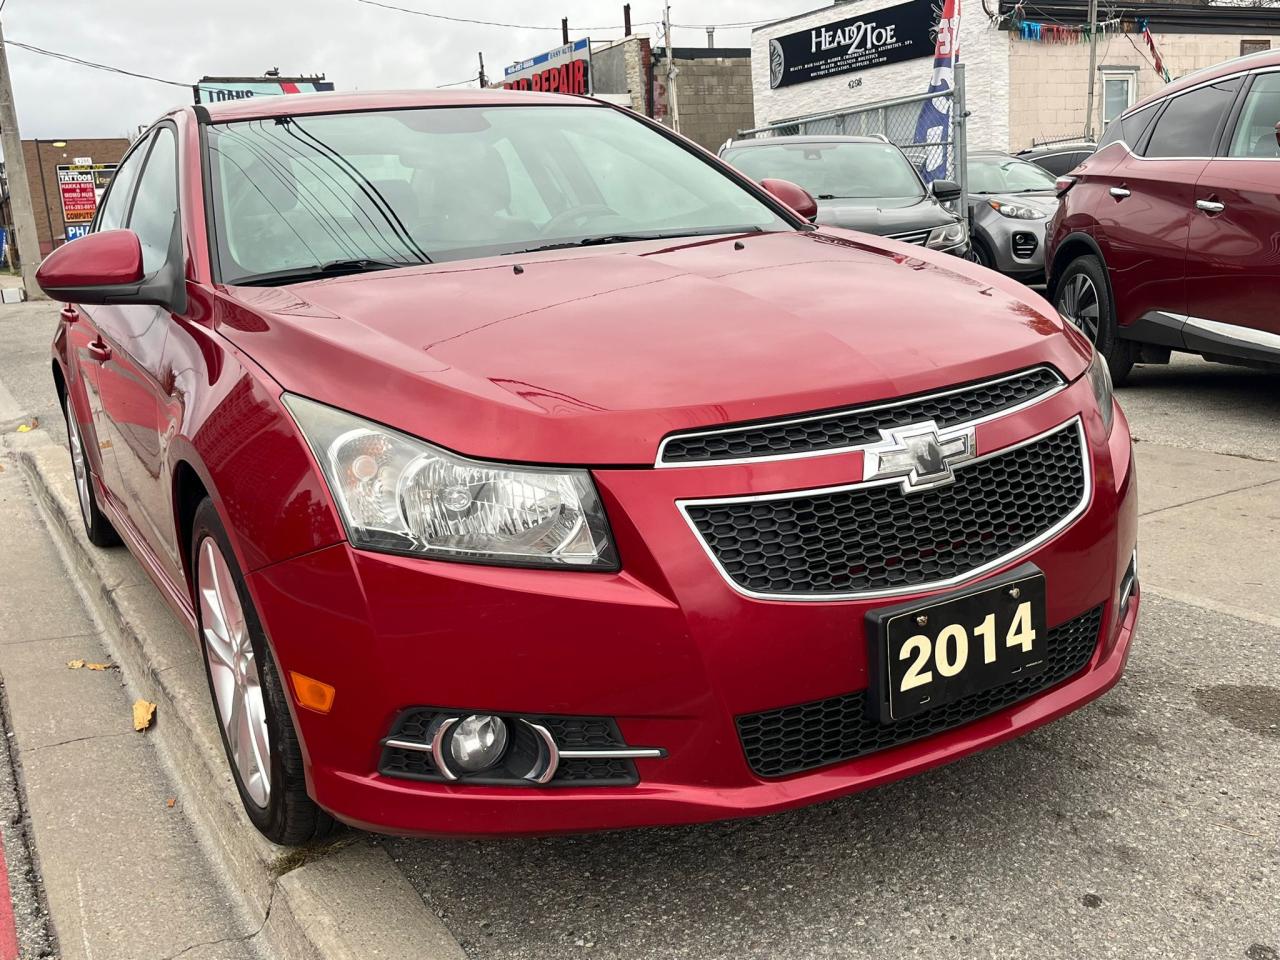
<point>1255,134</point>
<point>156,205</point>
<point>116,207</point>
<point>1190,124</point>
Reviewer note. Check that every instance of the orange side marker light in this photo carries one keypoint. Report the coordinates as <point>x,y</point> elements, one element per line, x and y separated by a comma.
<point>312,694</point>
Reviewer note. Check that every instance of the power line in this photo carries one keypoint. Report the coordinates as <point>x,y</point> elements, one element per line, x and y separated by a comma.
<point>543,26</point>
<point>457,83</point>
<point>89,63</point>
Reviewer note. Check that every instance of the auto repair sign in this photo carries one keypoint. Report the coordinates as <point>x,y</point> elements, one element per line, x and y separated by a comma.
<point>889,35</point>
<point>565,69</point>
<point>80,187</point>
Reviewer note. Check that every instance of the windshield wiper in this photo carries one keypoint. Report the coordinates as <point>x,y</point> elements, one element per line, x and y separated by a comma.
<point>331,268</point>
<point>632,238</point>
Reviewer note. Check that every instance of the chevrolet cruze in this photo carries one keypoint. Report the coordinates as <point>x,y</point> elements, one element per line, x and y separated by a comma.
<point>520,467</point>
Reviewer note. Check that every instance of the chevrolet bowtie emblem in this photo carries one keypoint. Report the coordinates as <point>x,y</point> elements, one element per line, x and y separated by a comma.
<point>920,454</point>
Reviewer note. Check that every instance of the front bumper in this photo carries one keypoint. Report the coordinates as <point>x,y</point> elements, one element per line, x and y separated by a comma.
<point>1018,246</point>
<point>665,647</point>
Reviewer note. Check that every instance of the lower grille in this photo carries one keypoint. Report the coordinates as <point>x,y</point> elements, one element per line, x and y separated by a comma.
<point>569,733</point>
<point>791,740</point>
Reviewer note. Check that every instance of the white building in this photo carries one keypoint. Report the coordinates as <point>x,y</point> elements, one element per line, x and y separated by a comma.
<point>1018,90</point>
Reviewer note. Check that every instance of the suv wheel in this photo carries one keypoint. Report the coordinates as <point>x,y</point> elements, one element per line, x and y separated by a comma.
<point>979,254</point>
<point>249,699</point>
<point>1083,297</point>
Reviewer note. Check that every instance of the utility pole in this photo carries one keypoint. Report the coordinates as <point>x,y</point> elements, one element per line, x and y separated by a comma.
<point>484,81</point>
<point>27,241</point>
<point>1093,66</point>
<point>711,38</point>
<point>564,30</point>
<point>626,19</point>
<point>673,103</point>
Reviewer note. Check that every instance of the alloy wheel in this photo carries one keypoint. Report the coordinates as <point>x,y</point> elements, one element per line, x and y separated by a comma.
<point>233,670</point>
<point>79,464</point>
<point>1078,302</point>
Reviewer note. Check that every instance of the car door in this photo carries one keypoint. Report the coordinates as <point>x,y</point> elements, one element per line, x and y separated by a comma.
<point>1233,261</point>
<point>1145,217</point>
<point>131,375</point>
<point>84,343</point>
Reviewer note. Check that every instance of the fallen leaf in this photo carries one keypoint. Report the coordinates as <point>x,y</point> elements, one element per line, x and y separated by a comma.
<point>28,427</point>
<point>75,664</point>
<point>170,802</point>
<point>99,666</point>
<point>143,711</point>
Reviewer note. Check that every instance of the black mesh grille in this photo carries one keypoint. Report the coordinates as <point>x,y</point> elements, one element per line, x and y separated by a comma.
<point>851,428</point>
<point>793,739</point>
<point>569,733</point>
<point>878,538</point>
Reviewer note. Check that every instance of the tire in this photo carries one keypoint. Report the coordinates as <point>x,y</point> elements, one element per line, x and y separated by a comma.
<point>96,526</point>
<point>979,254</point>
<point>236,657</point>
<point>1083,296</point>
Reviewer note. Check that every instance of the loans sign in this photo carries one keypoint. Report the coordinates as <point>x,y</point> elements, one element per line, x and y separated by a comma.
<point>80,187</point>
<point>889,35</point>
<point>565,69</point>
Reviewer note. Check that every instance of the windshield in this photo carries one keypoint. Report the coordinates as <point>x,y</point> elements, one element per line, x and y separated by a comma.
<point>1007,175</point>
<point>830,170</point>
<point>386,188</point>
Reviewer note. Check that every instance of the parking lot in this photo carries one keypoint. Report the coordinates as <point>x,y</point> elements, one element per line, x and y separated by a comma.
<point>1143,825</point>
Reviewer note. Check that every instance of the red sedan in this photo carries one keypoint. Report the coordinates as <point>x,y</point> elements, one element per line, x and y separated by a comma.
<point>520,467</point>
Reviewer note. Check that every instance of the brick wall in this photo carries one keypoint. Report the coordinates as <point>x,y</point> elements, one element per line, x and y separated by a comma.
<point>1050,81</point>
<point>49,222</point>
<point>714,97</point>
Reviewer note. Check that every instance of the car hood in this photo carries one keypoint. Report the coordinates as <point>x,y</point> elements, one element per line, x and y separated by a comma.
<point>592,356</point>
<point>883,216</point>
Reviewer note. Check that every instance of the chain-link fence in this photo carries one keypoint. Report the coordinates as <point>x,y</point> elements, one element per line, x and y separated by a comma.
<point>930,147</point>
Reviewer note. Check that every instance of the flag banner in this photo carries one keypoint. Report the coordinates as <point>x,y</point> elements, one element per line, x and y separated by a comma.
<point>934,125</point>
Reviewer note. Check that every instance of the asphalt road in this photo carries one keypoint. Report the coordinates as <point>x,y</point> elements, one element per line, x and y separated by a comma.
<point>1145,825</point>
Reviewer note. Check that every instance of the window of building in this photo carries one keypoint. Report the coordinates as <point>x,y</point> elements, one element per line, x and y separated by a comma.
<point>1253,46</point>
<point>1119,92</point>
<point>1189,125</point>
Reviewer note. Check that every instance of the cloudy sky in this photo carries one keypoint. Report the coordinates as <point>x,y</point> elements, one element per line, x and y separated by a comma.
<point>357,45</point>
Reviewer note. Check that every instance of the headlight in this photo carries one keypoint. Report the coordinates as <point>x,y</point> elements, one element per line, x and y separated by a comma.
<point>403,495</point>
<point>947,235</point>
<point>1016,211</point>
<point>1100,380</point>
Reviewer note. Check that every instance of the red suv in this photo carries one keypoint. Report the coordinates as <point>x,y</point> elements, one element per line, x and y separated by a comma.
<point>520,467</point>
<point>1166,238</point>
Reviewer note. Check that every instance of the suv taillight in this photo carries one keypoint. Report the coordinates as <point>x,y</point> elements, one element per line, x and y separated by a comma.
<point>1063,184</point>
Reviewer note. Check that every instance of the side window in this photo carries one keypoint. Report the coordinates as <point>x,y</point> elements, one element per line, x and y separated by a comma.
<point>116,207</point>
<point>155,207</point>
<point>1134,126</point>
<point>1256,130</point>
<point>1189,125</point>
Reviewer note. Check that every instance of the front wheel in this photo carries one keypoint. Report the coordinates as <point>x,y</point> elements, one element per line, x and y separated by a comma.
<point>1084,299</point>
<point>249,699</point>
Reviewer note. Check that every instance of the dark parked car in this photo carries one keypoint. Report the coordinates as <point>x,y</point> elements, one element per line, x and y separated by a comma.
<point>518,467</point>
<point>1166,237</point>
<point>861,183</point>
<point>1058,158</point>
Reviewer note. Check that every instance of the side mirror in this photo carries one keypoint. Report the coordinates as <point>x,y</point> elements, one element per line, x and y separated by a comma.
<point>794,196</point>
<point>104,268</point>
<point>945,190</point>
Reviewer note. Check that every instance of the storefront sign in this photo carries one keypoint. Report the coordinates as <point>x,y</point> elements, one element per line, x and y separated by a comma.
<point>890,35</point>
<point>80,186</point>
<point>216,91</point>
<point>562,70</point>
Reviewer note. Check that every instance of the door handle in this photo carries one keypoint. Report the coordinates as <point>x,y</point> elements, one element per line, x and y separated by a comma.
<point>99,351</point>
<point>69,314</point>
<point>1119,192</point>
<point>1210,206</point>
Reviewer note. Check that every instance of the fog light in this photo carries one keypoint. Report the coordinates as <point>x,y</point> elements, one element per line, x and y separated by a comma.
<point>477,742</point>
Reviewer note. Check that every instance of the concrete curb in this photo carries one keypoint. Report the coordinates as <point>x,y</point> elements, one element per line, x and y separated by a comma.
<point>340,900</point>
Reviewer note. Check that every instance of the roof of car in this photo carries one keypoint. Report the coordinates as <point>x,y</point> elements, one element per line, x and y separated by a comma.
<point>252,108</point>
<point>802,138</point>
<point>1250,61</point>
